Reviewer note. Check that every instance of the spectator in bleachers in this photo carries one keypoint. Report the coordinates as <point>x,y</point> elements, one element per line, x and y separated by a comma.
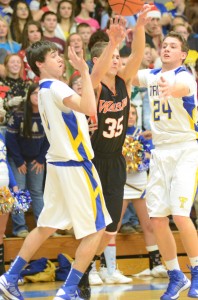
<point>176,7</point>
<point>6,10</point>
<point>192,53</point>
<point>100,8</point>
<point>153,31</point>
<point>32,33</point>
<point>84,30</point>
<point>49,23</point>
<point>97,36</point>
<point>13,79</point>
<point>75,41</point>
<point>21,15</point>
<point>6,41</point>
<point>75,82</point>
<point>27,146</point>
<point>179,19</point>
<point>84,9</point>
<point>66,23</point>
<point>191,11</point>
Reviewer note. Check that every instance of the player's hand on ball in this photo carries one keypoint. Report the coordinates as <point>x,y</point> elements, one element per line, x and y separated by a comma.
<point>117,30</point>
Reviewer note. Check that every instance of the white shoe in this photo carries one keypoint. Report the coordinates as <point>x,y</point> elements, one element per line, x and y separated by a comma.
<point>94,278</point>
<point>159,272</point>
<point>146,272</point>
<point>116,277</point>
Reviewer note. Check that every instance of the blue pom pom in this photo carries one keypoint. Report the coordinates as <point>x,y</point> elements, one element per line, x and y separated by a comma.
<point>22,201</point>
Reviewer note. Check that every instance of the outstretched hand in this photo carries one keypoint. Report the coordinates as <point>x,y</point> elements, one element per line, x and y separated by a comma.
<point>165,89</point>
<point>142,17</point>
<point>77,61</point>
<point>117,30</point>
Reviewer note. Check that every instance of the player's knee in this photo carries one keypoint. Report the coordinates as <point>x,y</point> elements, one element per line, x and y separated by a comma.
<point>159,223</point>
<point>181,222</point>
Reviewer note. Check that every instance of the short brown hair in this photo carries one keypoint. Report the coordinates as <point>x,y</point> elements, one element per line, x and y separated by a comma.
<point>97,49</point>
<point>37,52</point>
<point>178,36</point>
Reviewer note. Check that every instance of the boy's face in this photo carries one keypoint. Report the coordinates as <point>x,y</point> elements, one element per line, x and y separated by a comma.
<point>152,25</point>
<point>85,33</point>
<point>171,52</point>
<point>115,65</point>
<point>50,23</point>
<point>76,42</point>
<point>53,65</point>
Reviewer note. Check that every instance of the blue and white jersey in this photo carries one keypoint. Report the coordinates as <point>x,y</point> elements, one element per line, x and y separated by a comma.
<point>66,130</point>
<point>175,120</point>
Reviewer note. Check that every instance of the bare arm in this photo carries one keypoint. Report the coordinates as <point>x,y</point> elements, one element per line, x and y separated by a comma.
<point>86,103</point>
<point>137,47</point>
<point>176,90</point>
<point>135,81</point>
<point>116,33</point>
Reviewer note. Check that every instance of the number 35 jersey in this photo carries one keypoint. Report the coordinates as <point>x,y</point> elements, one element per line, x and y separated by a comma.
<point>174,120</point>
<point>112,114</point>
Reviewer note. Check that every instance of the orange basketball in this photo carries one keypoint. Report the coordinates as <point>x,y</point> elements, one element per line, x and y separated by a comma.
<point>126,7</point>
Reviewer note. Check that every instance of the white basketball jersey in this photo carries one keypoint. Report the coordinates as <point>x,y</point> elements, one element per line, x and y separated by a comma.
<point>66,130</point>
<point>176,120</point>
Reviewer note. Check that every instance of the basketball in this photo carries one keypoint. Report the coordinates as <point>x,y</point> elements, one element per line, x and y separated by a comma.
<point>126,7</point>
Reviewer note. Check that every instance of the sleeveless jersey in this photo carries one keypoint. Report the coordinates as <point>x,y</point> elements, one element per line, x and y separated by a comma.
<point>176,120</point>
<point>112,113</point>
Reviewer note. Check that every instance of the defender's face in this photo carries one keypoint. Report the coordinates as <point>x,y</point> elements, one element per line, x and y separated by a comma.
<point>171,52</point>
<point>115,65</point>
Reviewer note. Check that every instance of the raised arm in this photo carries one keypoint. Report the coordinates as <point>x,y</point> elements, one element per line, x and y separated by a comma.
<point>116,33</point>
<point>86,103</point>
<point>137,47</point>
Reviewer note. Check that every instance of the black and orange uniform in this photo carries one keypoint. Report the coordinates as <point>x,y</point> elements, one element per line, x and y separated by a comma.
<point>107,142</point>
